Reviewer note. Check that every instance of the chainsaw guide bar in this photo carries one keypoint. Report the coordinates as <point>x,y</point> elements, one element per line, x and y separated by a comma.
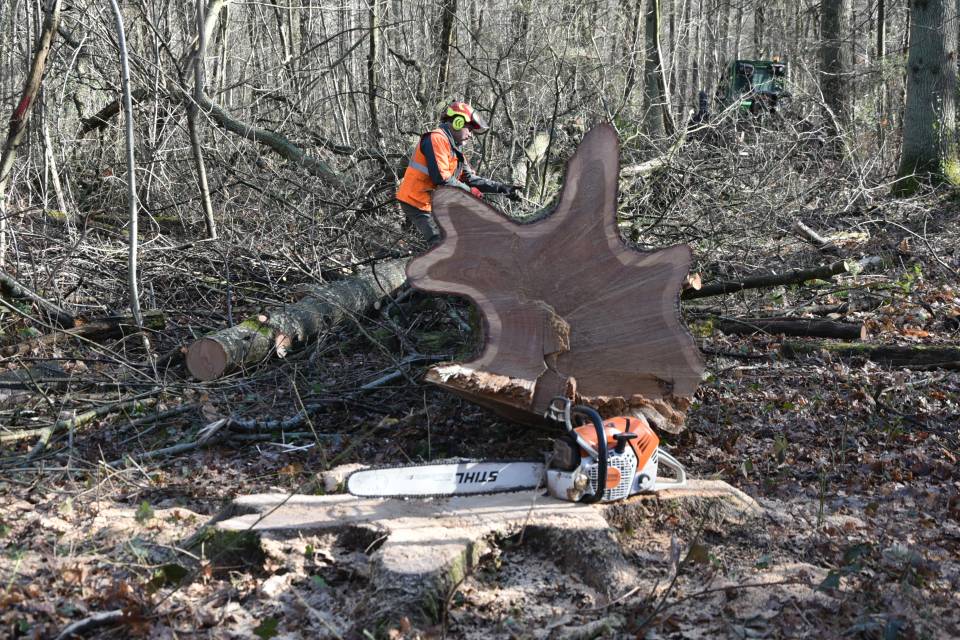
<point>445,480</point>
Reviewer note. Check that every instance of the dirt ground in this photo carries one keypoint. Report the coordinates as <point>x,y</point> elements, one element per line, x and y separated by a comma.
<point>854,464</point>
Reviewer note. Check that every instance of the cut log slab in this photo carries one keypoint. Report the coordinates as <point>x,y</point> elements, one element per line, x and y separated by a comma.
<point>568,309</point>
<point>428,546</point>
<point>256,338</point>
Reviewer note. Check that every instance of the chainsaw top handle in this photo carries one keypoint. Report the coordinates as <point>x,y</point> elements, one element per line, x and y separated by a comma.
<point>594,417</point>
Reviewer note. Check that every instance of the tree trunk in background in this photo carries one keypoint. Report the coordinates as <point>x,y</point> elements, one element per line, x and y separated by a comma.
<point>881,52</point>
<point>738,31</point>
<point>133,203</point>
<point>633,44</point>
<point>685,87</point>
<point>657,112</point>
<point>697,81</point>
<point>929,147</point>
<point>448,14</point>
<point>831,57</point>
<point>18,121</point>
<point>199,68</point>
<point>758,25</point>
<point>723,33</point>
<point>373,23</point>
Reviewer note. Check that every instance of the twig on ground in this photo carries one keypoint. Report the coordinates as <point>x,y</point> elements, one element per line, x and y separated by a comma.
<point>89,623</point>
<point>46,433</point>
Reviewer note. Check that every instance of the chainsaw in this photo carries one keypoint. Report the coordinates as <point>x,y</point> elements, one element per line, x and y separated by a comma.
<point>594,460</point>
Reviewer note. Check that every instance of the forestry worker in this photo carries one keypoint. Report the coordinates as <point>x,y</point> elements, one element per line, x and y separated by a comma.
<point>437,160</point>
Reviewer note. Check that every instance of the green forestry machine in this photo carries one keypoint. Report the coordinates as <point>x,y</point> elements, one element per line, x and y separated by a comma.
<point>754,86</point>
<point>748,87</point>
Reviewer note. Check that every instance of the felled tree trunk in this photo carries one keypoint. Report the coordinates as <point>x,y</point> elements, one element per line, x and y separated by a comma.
<point>793,276</point>
<point>793,327</point>
<point>255,338</point>
<point>12,289</point>
<point>568,309</point>
<point>97,329</point>
<point>915,356</point>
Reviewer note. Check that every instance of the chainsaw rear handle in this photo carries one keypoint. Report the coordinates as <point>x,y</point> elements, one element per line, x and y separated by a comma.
<point>597,421</point>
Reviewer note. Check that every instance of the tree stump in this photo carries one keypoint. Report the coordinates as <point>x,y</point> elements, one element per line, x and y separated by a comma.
<point>424,548</point>
<point>568,308</point>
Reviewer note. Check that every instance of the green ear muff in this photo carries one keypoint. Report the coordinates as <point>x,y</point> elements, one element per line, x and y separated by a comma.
<point>459,122</point>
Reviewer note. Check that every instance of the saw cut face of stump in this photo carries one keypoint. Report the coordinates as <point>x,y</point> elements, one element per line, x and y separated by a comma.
<point>568,308</point>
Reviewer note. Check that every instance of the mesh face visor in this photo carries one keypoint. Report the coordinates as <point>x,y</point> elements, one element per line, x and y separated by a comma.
<point>477,123</point>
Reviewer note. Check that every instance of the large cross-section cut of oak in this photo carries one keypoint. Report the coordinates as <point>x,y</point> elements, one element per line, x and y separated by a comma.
<point>568,308</point>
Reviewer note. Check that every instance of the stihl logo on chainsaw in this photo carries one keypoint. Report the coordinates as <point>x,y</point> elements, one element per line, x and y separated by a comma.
<point>476,477</point>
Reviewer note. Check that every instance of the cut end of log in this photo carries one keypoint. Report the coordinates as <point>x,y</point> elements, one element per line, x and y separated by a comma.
<point>206,359</point>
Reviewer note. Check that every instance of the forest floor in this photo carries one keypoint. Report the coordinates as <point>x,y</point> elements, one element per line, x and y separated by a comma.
<point>855,465</point>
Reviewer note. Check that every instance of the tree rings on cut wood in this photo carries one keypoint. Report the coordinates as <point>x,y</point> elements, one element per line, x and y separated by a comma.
<point>568,308</point>
<point>206,359</point>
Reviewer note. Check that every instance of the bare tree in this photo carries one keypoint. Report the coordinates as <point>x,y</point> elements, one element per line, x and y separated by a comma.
<point>831,57</point>
<point>448,16</point>
<point>18,121</point>
<point>657,116</point>
<point>132,201</point>
<point>929,143</point>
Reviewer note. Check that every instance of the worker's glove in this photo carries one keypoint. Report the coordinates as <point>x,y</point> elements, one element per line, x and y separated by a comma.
<point>476,193</point>
<point>512,192</point>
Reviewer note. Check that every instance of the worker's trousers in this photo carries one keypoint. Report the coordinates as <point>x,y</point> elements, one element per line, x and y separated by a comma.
<point>423,221</point>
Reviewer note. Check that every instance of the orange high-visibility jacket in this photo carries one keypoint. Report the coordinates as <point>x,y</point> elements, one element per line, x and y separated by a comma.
<point>437,160</point>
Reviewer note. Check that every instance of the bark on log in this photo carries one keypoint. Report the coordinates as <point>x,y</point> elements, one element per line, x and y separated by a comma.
<point>98,329</point>
<point>12,289</point>
<point>102,118</point>
<point>18,121</point>
<point>568,309</point>
<point>793,327</point>
<point>915,356</point>
<point>256,338</point>
<point>793,276</point>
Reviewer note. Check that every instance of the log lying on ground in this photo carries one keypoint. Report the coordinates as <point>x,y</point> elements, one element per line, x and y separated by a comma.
<point>255,338</point>
<point>12,289</point>
<point>98,329</point>
<point>914,356</point>
<point>649,167</point>
<point>568,309</point>
<point>792,327</point>
<point>793,276</point>
<point>102,118</point>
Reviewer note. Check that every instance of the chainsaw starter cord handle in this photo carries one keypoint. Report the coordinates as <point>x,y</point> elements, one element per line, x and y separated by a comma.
<point>597,421</point>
